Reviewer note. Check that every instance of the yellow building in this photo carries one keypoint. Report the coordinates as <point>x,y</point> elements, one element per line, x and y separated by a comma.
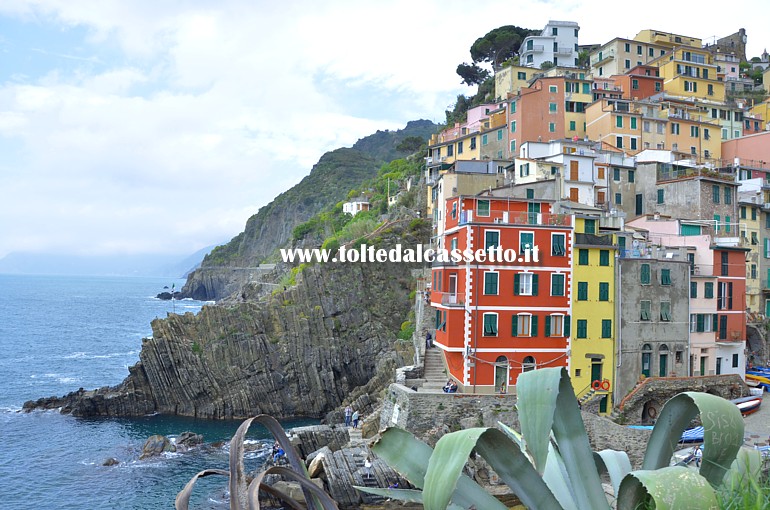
<point>592,360</point>
<point>691,72</point>
<point>667,39</point>
<point>763,109</point>
<point>509,80</point>
<point>750,215</point>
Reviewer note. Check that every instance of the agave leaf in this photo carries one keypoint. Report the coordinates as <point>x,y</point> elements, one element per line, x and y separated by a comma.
<point>326,502</point>
<point>616,464</point>
<point>547,401</point>
<point>557,479</point>
<point>746,467</point>
<point>670,488</point>
<point>502,454</point>
<point>410,457</point>
<point>238,488</point>
<point>723,433</point>
<point>404,495</point>
<point>182,501</point>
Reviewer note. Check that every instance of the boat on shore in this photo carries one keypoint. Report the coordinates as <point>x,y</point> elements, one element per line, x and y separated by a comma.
<point>748,405</point>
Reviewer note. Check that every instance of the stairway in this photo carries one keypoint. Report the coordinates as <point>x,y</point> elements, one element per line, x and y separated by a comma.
<point>356,439</point>
<point>588,396</point>
<point>434,374</point>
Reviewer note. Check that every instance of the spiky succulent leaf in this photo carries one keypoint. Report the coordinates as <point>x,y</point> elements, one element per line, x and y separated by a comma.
<point>669,488</point>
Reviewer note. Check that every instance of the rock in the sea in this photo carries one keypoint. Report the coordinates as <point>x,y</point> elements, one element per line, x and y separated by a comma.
<point>155,445</point>
<point>112,461</point>
<point>189,439</point>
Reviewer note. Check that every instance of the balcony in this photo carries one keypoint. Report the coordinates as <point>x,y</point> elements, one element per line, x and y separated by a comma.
<point>593,239</point>
<point>669,172</point>
<point>449,298</point>
<point>563,51</point>
<point>535,48</point>
<point>516,218</point>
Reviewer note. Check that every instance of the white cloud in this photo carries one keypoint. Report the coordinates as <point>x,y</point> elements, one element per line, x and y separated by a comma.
<point>165,125</point>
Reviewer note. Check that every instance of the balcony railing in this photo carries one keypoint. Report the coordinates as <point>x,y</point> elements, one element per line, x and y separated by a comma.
<point>536,48</point>
<point>449,298</point>
<point>516,218</point>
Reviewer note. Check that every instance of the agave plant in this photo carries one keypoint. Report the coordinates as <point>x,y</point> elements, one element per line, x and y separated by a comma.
<point>245,495</point>
<point>550,465</point>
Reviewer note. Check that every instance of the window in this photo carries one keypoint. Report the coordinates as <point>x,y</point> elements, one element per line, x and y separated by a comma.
<point>526,241</point>
<point>743,212</point>
<point>645,310</point>
<point>665,277</point>
<point>604,257</point>
<point>715,193</point>
<point>530,193</point>
<point>754,239</point>
<point>634,83</point>
<point>582,294</point>
<point>589,226</point>
<point>441,320</point>
<point>552,107</point>
<point>553,89</point>
<point>725,265</point>
<point>627,47</point>
<point>693,289</point>
<point>572,125</point>
<point>484,140</point>
<point>616,174</point>
<point>525,284</point>
<point>619,121</point>
<point>491,239</point>
<point>619,142</point>
<point>628,63</point>
<point>482,208</point>
<point>644,274</point>
<point>708,290</point>
<point>552,127</point>
<point>459,147</point>
<point>618,199</point>
<point>638,50</point>
<point>633,143</point>
<point>633,122</point>
<point>735,361</point>
<point>674,128</point>
<point>499,134</point>
<point>694,131</point>
<point>557,244</point>
<point>557,285</point>
<point>490,283</point>
<point>657,86</point>
<point>604,291</point>
<point>631,176</point>
<point>473,143</point>
<point>727,223</point>
<point>513,146</point>
<point>524,325</point>
<point>554,325</point>
<point>717,223</point>
<point>521,75</point>
<point>661,196</point>
<point>490,324</point>
<point>728,195</point>
<point>665,311</point>
<point>582,328</point>
<point>582,257</point>
<point>513,126</point>
<point>606,328</point>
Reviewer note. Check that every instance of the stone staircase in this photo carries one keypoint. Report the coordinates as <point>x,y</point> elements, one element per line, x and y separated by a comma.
<point>356,439</point>
<point>434,374</point>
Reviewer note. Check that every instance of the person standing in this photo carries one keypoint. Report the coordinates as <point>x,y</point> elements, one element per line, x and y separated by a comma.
<point>368,467</point>
<point>355,419</point>
<point>348,414</point>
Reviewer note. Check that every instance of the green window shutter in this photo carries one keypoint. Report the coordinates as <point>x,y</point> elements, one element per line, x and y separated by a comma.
<point>515,325</point>
<point>534,284</point>
<point>547,329</point>
<point>665,277</point>
<point>516,283</point>
<point>715,322</point>
<point>438,319</point>
<point>606,328</point>
<point>604,257</point>
<point>604,291</point>
<point>583,257</point>
<point>693,290</point>
<point>700,323</point>
<point>582,291</point>
<point>533,323</point>
<point>582,328</point>
<point>708,290</point>
<point>566,325</point>
<point>645,274</point>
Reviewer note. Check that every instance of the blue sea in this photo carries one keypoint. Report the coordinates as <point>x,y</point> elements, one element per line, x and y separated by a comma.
<point>61,333</point>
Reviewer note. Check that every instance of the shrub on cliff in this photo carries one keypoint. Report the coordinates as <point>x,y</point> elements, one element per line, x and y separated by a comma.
<point>550,464</point>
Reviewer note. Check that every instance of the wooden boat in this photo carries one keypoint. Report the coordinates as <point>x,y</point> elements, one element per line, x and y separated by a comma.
<point>748,405</point>
<point>758,379</point>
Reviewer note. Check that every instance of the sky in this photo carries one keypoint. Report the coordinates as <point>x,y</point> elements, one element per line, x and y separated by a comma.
<point>142,127</point>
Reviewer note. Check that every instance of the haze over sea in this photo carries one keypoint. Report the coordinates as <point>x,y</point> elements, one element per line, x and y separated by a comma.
<point>61,333</point>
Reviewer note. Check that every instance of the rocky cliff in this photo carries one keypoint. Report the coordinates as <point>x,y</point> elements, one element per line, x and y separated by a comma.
<point>299,352</point>
<point>329,181</point>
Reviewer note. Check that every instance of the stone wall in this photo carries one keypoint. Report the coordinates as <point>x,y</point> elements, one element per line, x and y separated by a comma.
<point>431,415</point>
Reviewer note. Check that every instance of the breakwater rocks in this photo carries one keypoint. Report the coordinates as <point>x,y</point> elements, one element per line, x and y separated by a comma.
<point>299,353</point>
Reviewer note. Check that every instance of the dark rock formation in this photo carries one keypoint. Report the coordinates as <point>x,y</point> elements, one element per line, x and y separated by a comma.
<point>299,353</point>
<point>187,440</point>
<point>155,445</point>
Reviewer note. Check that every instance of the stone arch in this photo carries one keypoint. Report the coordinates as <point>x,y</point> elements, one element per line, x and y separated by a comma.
<point>650,411</point>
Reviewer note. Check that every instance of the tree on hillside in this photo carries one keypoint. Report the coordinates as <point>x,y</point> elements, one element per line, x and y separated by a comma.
<point>499,45</point>
<point>472,74</point>
<point>410,144</point>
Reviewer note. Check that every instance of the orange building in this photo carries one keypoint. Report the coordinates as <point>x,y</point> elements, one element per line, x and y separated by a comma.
<point>507,311</point>
<point>640,82</point>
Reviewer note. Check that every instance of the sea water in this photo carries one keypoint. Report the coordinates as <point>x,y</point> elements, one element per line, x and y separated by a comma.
<point>61,333</point>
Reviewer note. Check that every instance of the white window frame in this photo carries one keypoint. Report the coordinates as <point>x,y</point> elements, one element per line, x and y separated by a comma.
<point>525,284</point>
<point>554,331</point>
<point>520,330</point>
